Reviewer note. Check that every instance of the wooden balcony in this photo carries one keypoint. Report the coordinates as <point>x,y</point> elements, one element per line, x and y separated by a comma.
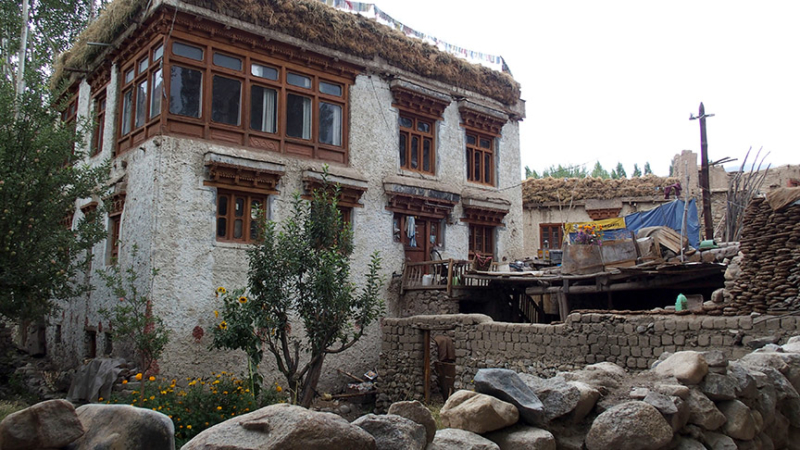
<point>443,274</point>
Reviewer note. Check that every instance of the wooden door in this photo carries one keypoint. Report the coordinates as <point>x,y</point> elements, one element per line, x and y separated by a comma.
<point>427,237</point>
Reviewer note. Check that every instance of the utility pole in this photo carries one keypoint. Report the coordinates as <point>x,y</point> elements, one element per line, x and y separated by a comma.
<point>704,176</point>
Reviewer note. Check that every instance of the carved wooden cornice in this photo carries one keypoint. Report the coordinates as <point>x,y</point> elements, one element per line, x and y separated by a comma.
<point>418,102</point>
<point>482,121</point>
<point>600,214</point>
<point>416,205</point>
<point>117,204</point>
<point>484,216</point>
<point>223,175</point>
<point>349,196</point>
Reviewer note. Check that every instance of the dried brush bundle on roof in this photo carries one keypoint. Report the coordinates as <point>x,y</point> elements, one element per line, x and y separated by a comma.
<point>542,190</point>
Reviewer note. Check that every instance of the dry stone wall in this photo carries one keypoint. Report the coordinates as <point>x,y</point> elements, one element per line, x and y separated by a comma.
<point>633,342</point>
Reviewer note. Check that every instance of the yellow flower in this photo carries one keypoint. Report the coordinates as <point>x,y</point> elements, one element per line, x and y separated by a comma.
<point>152,397</point>
<point>215,382</point>
<point>216,314</point>
<point>219,408</point>
<point>188,427</point>
<point>278,389</point>
<point>192,383</point>
<point>152,378</point>
<point>243,299</point>
<point>138,377</point>
<point>124,381</point>
<point>221,291</point>
<point>223,325</point>
<point>100,399</point>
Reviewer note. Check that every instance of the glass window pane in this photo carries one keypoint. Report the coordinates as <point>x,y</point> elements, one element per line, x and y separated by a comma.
<point>141,104</point>
<point>238,207</point>
<point>238,225</point>
<point>424,127</point>
<point>127,111</point>
<point>222,225</point>
<point>405,122</point>
<point>187,51</point>
<point>101,105</point>
<point>129,76</point>
<point>185,93</point>
<point>143,65</point>
<point>403,149</point>
<point>226,96</point>
<point>298,116</point>
<point>158,53</point>
<point>264,71</point>
<point>469,164</point>
<point>263,109</point>
<point>330,124</point>
<point>255,210</point>
<point>486,143</point>
<point>226,61</point>
<point>487,168</point>
<point>156,93</point>
<point>414,152</point>
<point>222,207</point>
<point>426,155</point>
<point>330,88</point>
<point>477,175</point>
<point>298,80</point>
<point>470,139</point>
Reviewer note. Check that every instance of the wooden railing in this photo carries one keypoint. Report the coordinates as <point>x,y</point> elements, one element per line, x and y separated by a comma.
<point>441,274</point>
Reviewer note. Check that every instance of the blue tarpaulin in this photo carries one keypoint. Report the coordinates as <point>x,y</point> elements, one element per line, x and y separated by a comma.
<point>669,215</point>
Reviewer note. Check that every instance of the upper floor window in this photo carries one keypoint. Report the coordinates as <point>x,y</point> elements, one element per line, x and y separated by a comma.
<point>417,144</point>
<point>551,235</point>
<point>480,158</point>
<point>481,240</point>
<point>142,90</point>
<point>99,124</point>
<point>237,97</point>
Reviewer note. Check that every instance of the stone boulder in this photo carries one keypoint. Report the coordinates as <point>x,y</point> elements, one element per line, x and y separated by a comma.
<point>744,383</point>
<point>478,413</point>
<point>602,376</point>
<point>687,367</point>
<point>792,346</point>
<point>283,427</point>
<point>703,412</point>
<point>523,438</point>
<point>417,412</point>
<point>558,397</point>
<point>508,386</point>
<point>718,387</point>
<point>588,398</point>
<point>50,424</point>
<point>740,423</point>
<point>455,439</point>
<point>392,432</point>
<point>123,427</point>
<point>718,441</point>
<point>632,425</point>
<point>686,443</point>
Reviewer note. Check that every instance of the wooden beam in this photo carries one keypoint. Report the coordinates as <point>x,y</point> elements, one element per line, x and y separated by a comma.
<point>426,360</point>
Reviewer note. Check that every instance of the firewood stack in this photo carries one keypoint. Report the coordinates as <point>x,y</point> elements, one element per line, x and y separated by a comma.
<point>770,270</point>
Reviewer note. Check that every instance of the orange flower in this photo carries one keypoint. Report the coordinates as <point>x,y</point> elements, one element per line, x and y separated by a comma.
<point>138,377</point>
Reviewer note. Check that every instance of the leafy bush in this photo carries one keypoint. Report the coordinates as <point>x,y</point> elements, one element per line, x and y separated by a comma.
<point>203,403</point>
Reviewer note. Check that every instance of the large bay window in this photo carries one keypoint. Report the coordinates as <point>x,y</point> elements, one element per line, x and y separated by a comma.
<point>480,158</point>
<point>419,110</point>
<point>142,90</point>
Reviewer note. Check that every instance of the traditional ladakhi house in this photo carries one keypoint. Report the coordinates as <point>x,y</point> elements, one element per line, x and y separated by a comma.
<point>209,110</point>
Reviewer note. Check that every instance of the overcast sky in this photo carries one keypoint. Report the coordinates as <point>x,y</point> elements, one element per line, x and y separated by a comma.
<point>616,81</point>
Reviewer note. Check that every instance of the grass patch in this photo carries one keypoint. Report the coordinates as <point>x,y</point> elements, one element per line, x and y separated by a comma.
<point>435,409</point>
<point>10,407</point>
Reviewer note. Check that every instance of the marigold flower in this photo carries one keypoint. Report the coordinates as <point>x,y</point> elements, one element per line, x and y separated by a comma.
<point>188,427</point>
<point>219,408</point>
<point>215,382</point>
<point>216,314</point>
<point>139,377</point>
<point>124,381</point>
<point>152,378</point>
<point>152,397</point>
<point>100,399</point>
<point>278,389</point>
<point>243,299</point>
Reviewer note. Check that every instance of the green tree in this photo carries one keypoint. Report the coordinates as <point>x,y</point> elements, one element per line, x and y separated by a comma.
<point>530,173</point>
<point>614,174</point>
<point>636,172</point>
<point>41,252</point>
<point>621,171</point>
<point>568,171</point>
<point>647,170</point>
<point>599,172</point>
<point>303,305</point>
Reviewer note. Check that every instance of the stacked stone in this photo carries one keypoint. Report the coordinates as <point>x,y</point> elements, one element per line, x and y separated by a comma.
<point>769,282</point>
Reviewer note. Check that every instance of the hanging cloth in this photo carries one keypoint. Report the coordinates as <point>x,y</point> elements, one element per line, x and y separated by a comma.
<point>411,231</point>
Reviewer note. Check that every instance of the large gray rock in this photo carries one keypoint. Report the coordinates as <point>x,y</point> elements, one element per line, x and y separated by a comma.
<point>95,379</point>
<point>123,427</point>
<point>792,346</point>
<point>417,412</point>
<point>588,398</point>
<point>718,387</point>
<point>602,376</point>
<point>744,382</point>
<point>674,410</point>
<point>686,443</point>
<point>740,423</point>
<point>478,413</point>
<point>50,424</point>
<point>778,430</point>
<point>283,427</point>
<point>703,412</point>
<point>718,441</point>
<point>632,425</point>
<point>393,432</point>
<point>455,439</point>
<point>665,405</point>
<point>558,397</point>
<point>523,438</point>
<point>687,367</point>
<point>508,386</point>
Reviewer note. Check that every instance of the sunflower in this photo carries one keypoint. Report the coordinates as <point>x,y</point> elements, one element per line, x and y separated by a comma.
<point>221,291</point>
<point>216,314</point>
<point>223,325</point>
<point>243,299</point>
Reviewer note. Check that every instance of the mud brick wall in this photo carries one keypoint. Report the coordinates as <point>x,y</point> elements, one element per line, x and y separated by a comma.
<point>632,341</point>
<point>769,281</point>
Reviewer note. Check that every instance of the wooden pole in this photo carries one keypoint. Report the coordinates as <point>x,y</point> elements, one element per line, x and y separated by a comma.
<point>426,360</point>
<point>705,184</point>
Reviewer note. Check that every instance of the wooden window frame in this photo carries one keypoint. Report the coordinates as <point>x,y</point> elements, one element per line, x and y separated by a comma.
<point>550,227</point>
<point>135,134</point>
<point>486,234</point>
<point>115,226</point>
<point>409,133</point>
<point>486,170</point>
<point>230,215</point>
<point>98,131</point>
<point>243,134</point>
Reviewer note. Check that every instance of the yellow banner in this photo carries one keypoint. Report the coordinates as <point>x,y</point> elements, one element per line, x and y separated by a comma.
<point>617,223</point>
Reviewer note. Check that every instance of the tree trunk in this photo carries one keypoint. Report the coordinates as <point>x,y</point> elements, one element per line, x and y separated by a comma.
<point>23,51</point>
<point>310,383</point>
